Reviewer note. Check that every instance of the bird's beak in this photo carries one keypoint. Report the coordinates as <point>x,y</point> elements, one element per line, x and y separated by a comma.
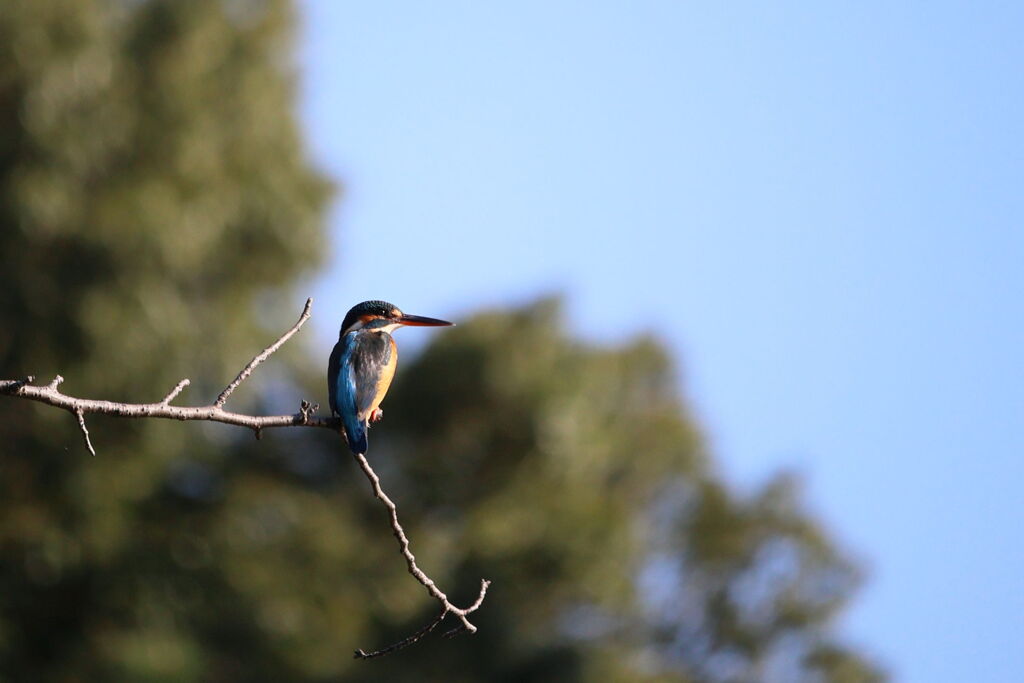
<point>422,321</point>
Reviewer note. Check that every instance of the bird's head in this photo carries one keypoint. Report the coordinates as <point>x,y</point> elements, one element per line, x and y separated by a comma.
<point>381,315</point>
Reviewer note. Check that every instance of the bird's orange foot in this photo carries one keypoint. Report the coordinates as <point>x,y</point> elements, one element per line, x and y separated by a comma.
<point>376,415</point>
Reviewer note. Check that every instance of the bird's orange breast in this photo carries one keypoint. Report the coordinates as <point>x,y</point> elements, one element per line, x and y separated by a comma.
<point>387,373</point>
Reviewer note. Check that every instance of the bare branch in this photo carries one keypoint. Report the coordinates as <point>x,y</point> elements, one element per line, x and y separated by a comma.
<point>263,355</point>
<point>414,570</point>
<point>52,396</point>
<point>79,407</point>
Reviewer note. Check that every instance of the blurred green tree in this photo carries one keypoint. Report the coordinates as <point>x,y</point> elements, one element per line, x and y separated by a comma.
<point>155,202</point>
<point>156,207</point>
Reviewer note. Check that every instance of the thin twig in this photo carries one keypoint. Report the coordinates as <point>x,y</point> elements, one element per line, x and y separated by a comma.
<point>406,642</point>
<point>175,391</point>
<point>410,559</point>
<point>85,432</point>
<point>263,355</point>
<point>454,632</point>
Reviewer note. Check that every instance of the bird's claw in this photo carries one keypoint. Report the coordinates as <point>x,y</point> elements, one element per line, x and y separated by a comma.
<point>376,415</point>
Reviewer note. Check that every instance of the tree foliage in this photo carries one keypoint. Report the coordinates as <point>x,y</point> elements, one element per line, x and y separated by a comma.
<point>156,208</point>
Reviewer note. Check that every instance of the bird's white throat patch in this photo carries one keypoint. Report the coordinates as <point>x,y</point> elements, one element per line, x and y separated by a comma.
<point>360,324</point>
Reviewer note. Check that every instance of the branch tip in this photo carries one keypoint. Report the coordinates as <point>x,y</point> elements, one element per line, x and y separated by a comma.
<point>406,642</point>
<point>85,432</point>
<point>263,355</point>
<point>175,391</point>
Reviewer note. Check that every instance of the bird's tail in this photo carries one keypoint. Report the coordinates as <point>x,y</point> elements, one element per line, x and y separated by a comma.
<point>355,434</point>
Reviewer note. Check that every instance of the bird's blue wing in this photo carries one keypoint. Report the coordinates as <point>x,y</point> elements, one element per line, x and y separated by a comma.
<point>343,390</point>
<point>361,358</point>
<point>333,368</point>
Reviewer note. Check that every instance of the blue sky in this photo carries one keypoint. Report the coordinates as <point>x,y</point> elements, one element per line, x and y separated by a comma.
<point>820,202</point>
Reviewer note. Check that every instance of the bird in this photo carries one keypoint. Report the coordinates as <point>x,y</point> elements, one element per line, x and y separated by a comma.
<point>362,365</point>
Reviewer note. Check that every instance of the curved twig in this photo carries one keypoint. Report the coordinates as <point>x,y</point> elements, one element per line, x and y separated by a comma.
<point>405,642</point>
<point>415,571</point>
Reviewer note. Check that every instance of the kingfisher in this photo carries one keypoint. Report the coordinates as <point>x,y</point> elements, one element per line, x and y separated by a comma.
<point>363,364</point>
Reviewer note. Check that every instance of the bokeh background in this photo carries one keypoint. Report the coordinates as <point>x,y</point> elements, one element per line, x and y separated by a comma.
<point>735,392</point>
